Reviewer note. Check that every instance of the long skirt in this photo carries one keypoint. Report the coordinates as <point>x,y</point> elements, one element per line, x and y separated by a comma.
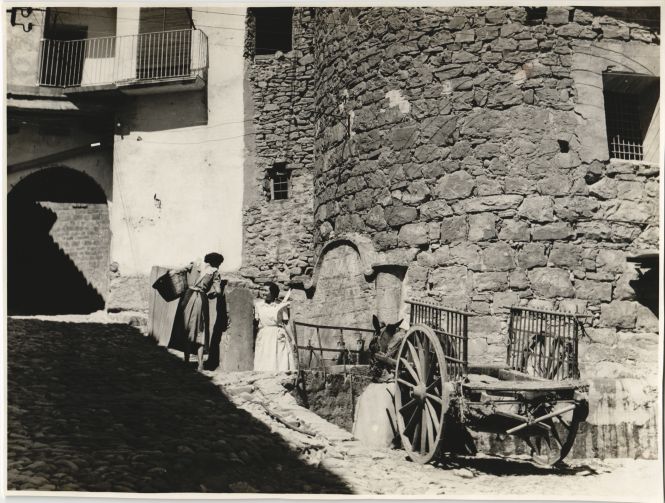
<point>273,352</point>
<point>190,326</point>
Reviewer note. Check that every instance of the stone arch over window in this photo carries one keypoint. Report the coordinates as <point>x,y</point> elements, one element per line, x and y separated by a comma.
<point>58,241</point>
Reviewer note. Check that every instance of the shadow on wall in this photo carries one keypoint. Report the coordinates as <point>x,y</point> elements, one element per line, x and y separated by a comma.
<point>167,111</point>
<point>221,324</point>
<point>646,289</point>
<point>41,278</point>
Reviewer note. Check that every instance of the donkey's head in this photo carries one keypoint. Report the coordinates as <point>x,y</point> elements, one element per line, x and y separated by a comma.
<point>384,333</point>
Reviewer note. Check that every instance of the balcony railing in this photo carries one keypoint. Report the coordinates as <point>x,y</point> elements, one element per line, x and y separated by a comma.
<point>124,60</point>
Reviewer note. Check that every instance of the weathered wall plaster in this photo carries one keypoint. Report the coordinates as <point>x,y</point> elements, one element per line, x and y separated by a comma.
<point>174,176</point>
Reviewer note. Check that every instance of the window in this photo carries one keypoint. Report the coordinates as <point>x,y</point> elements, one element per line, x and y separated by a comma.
<point>631,116</point>
<point>61,66</point>
<point>65,55</point>
<point>535,15</point>
<point>165,48</point>
<point>273,29</point>
<point>279,182</point>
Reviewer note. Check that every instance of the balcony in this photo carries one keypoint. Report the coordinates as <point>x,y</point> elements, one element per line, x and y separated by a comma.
<point>130,63</point>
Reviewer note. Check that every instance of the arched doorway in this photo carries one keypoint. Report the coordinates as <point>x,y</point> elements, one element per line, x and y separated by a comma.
<point>58,240</point>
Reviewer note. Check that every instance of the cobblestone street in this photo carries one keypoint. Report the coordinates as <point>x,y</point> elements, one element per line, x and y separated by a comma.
<point>95,407</point>
<point>99,407</point>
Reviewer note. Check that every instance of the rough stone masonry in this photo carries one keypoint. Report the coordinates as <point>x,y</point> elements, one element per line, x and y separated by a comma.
<point>473,141</point>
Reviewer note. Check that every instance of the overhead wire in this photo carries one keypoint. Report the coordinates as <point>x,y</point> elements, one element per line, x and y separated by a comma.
<point>212,140</point>
<point>627,18</point>
<point>198,125</point>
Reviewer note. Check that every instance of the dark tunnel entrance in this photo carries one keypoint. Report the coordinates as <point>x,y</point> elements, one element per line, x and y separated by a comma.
<point>58,240</point>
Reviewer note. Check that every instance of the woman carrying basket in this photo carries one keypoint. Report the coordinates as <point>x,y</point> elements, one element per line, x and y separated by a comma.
<point>190,333</point>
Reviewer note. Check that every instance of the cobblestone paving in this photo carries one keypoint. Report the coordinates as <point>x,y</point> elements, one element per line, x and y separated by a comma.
<point>99,407</point>
<point>95,407</point>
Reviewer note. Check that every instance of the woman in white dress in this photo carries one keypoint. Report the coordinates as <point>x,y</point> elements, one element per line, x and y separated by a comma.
<point>273,351</point>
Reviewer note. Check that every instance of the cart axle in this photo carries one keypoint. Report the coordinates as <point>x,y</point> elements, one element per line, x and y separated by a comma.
<point>541,418</point>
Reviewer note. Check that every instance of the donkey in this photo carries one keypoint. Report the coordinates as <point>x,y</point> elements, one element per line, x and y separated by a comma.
<point>387,337</point>
<point>387,340</point>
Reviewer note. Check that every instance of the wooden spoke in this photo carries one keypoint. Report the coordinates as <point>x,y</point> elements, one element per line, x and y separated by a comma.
<point>434,418</point>
<point>406,383</point>
<point>423,432</point>
<point>555,437</point>
<point>407,405</point>
<point>416,360</point>
<point>529,442</point>
<point>420,405</point>
<point>557,433</point>
<point>416,433</point>
<point>432,368</point>
<point>539,444</point>
<point>553,445</point>
<point>412,419</point>
<point>420,345</point>
<point>407,366</point>
<point>564,422</point>
<point>435,398</point>
<point>436,381</point>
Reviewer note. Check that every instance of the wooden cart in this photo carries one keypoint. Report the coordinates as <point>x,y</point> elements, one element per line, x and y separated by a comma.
<point>536,396</point>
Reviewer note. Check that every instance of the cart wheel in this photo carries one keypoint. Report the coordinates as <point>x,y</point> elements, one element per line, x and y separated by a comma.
<point>550,448</point>
<point>421,400</point>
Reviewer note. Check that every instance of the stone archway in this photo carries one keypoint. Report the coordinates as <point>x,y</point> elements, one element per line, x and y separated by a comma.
<point>350,283</point>
<point>58,241</point>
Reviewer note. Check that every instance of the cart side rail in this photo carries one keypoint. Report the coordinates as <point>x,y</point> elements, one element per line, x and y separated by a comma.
<point>544,343</point>
<point>452,328</point>
<point>322,345</point>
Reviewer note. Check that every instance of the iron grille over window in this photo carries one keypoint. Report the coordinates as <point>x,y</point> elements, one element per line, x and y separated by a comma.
<point>624,132</point>
<point>631,115</point>
<point>279,182</point>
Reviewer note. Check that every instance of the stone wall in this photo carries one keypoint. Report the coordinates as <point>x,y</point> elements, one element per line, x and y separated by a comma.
<point>465,143</point>
<point>279,97</point>
<point>81,231</point>
<point>333,396</point>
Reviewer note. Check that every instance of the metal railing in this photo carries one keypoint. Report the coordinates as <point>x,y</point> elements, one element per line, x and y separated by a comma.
<point>127,59</point>
<point>314,343</point>
<point>544,343</point>
<point>452,328</point>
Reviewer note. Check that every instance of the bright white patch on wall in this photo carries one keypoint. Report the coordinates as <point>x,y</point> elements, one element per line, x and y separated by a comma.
<point>395,99</point>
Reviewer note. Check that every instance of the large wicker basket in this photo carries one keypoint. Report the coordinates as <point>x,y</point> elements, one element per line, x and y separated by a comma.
<point>171,285</point>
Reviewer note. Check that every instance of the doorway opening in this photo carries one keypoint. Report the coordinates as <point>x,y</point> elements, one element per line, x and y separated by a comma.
<point>58,242</point>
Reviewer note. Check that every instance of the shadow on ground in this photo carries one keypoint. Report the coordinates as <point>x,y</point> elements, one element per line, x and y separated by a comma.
<point>499,465</point>
<point>94,407</point>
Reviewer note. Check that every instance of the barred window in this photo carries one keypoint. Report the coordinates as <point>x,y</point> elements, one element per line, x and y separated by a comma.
<point>631,117</point>
<point>279,182</point>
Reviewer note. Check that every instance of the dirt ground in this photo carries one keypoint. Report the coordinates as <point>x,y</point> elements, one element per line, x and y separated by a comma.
<point>99,407</point>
